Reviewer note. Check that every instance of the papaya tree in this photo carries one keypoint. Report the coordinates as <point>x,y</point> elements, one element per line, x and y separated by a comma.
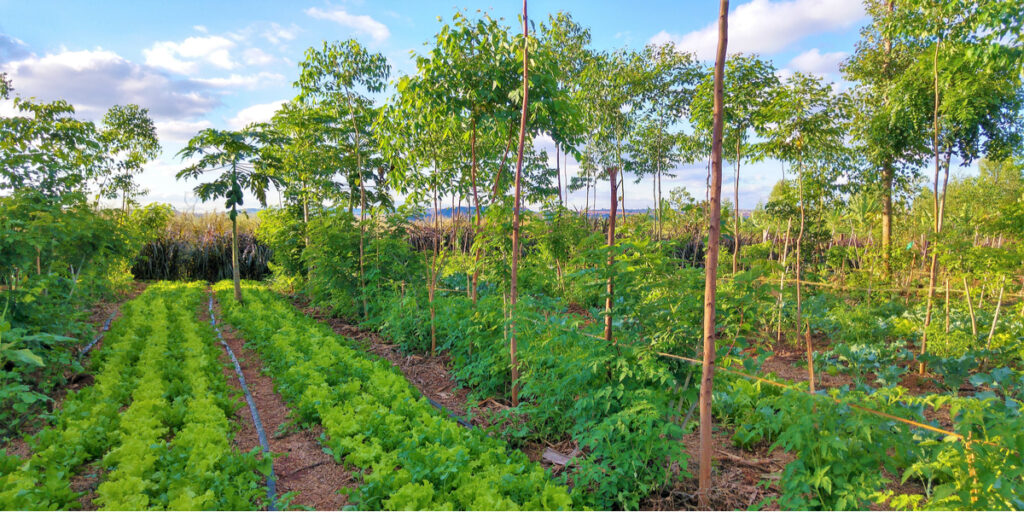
<point>236,156</point>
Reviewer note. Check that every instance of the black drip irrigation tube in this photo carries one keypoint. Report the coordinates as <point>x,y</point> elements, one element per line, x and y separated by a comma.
<point>106,327</point>
<point>440,407</point>
<point>271,481</point>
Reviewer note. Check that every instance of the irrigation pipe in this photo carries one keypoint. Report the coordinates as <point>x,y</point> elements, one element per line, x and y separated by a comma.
<point>440,407</point>
<point>271,481</point>
<point>106,327</point>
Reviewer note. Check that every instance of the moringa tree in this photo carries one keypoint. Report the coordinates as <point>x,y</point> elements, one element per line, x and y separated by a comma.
<point>340,75</point>
<point>807,129</point>
<point>130,140</point>
<point>750,86</point>
<point>237,156</point>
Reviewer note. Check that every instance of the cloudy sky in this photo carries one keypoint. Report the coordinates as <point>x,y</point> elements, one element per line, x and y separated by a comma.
<point>200,64</point>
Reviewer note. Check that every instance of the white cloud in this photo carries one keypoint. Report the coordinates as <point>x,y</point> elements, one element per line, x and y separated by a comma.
<point>257,57</point>
<point>247,81</point>
<point>184,57</point>
<point>766,26</point>
<point>275,33</point>
<point>200,28</point>
<point>254,114</point>
<point>179,131</point>
<point>360,23</point>
<point>813,61</point>
<point>95,80</point>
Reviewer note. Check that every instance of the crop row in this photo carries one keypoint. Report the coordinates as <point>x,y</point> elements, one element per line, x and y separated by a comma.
<point>373,419</point>
<point>155,423</point>
<point>841,452</point>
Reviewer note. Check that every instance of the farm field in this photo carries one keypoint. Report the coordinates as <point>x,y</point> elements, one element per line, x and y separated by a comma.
<point>416,285</point>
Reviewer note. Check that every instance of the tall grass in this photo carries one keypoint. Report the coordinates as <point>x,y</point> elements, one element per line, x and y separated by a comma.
<point>197,246</point>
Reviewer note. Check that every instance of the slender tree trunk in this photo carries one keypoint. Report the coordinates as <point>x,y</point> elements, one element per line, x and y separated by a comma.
<point>432,288</point>
<point>558,171</point>
<point>711,265</point>
<point>935,210</point>
<point>661,218</point>
<point>479,219</point>
<point>362,231</point>
<point>586,204</point>
<point>782,280</point>
<point>610,291</point>
<point>736,212</point>
<point>514,286</point>
<point>235,273</point>
<point>887,182</point>
<point>799,285</point>
<point>947,303</point>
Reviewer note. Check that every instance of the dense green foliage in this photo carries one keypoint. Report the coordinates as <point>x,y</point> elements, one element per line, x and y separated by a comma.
<point>161,431</point>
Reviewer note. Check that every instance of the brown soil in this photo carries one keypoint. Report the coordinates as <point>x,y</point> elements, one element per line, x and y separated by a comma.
<point>736,478</point>
<point>302,466</point>
<point>87,481</point>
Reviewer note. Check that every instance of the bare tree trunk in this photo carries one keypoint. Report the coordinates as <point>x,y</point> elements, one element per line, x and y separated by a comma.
<point>935,210</point>
<point>235,273</point>
<point>514,286</point>
<point>711,265</point>
<point>479,220</point>
<point>610,295</point>
<point>558,171</point>
<point>736,212</point>
<point>782,280</point>
<point>947,303</point>
<point>799,286</point>
<point>432,289</point>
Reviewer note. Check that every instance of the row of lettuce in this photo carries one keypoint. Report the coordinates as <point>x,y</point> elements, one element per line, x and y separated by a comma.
<point>158,434</point>
<point>623,404</point>
<point>413,456</point>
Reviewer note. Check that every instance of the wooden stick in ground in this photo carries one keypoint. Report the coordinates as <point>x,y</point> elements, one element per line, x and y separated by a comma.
<point>782,280</point>
<point>711,263</point>
<point>995,317</point>
<point>970,308</point>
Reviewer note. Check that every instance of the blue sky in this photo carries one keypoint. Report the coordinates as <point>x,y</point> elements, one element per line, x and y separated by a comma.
<point>199,64</point>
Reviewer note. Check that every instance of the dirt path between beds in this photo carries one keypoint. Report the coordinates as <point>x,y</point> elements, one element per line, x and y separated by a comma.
<point>302,467</point>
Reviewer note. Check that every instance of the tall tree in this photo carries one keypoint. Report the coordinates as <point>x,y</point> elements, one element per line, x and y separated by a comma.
<point>342,74</point>
<point>750,84</point>
<point>891,118</point>
<point>974,54</point>
<point>129,137</point>
<point>807,130</point>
